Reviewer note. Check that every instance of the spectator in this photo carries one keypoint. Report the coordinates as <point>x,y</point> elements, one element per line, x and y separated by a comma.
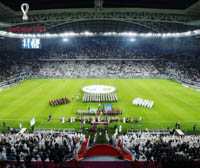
<point>194,127</point>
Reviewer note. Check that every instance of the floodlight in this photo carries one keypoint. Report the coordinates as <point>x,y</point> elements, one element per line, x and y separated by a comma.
<point>65,40</point>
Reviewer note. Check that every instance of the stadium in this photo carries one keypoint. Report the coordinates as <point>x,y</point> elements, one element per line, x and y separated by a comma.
<point>100,83</point>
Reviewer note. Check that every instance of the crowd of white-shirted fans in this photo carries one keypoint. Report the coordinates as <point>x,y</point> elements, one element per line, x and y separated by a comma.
<point>40,147</point>
<point>146,60</point>
<point>146,146</point>
<point>143,146</point>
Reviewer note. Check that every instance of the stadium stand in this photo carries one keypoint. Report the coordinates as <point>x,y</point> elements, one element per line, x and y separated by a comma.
<point>147,146</point>
<point>100,56</point>
<point>96,62</point>
<point>40,147</point>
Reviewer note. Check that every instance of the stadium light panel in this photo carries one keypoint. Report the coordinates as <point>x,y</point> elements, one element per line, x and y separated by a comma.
<point>47,35</point>
<point>130,34</point>
<point>54,35</point>
<point>142,35</point>
<point>149,34</point>
<point>169,34</point>
<point>159,35</point>
<point>132,39</point>
<point>87,33</point>
<point>65,40</point>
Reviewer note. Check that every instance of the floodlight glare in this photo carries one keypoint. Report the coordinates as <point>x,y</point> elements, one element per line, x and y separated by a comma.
<point>132,40</point>
<point>65,39</point>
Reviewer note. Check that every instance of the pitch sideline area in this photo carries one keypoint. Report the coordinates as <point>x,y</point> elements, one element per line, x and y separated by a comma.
<point>173,102</point>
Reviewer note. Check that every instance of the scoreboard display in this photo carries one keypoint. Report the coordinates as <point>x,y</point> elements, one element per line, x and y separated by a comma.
<point>29,43</point>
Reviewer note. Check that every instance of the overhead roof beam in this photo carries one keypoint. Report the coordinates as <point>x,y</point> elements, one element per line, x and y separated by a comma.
<point>193,9</point>
<point>5,24</point>
<point>5,10</point>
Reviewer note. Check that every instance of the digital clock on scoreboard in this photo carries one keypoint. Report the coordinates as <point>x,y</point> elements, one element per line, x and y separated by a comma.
<point>31,43</point>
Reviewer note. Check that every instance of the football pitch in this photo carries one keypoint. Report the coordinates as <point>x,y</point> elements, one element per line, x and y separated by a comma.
<point>172,102</point>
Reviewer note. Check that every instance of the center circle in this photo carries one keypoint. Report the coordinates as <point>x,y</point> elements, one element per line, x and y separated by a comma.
<point>100,89</point>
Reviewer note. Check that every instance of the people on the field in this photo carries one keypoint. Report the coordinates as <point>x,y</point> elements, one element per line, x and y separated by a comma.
<point>32,122</point>
<point>194,127</point>
<point>140,119</point>
<point>120,128</point>
<point>20,125</point>
<point>63,120</point>
<point>33,119</point>
<point>176,125</point>
<point>91,97</point>
<point>179,125</point>
<point>98,112</point>
<point>77,98</point>
<point>58,102</point>
<point>49,117</point>
<point>32,128</point>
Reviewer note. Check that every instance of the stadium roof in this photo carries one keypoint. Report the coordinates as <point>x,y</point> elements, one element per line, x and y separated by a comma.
<point>151,15</point>
<point>9,8</point>
<point>5,10</point>
<point>58,4</point>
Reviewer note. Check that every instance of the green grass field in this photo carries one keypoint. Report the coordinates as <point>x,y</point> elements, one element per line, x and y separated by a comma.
<point>30,99</point>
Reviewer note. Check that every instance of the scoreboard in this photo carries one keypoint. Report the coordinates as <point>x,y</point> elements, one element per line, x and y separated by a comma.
<point>30,43</point>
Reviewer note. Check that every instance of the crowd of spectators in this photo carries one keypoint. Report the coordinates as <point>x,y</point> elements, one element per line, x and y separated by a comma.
<point>58,147</point>
<point>39,147</point>
<point>110,69</point>
<point>148,147</point>
<point>146,59</point>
